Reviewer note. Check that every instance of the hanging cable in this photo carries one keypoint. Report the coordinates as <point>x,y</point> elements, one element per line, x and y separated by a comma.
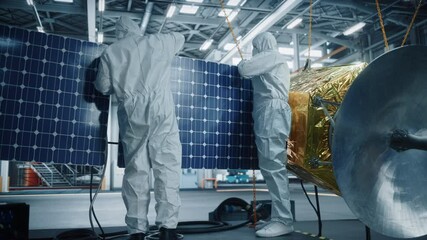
<point>241,56</point>
<point>91,210</point>
<point>412,23</point>
<point>316,210</point>
<point>231,29</point>
<point>382,25</point>
<point>310,25</point>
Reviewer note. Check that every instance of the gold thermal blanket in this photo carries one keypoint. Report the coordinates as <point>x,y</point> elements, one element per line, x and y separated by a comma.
<point>310,137</point>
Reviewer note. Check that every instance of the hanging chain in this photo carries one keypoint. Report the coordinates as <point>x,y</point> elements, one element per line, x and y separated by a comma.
<point>382,24</point>
<point>412,23</point>
<point>231,28</point>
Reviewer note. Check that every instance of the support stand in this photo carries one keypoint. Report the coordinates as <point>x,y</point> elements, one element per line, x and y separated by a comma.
<point>368,233</point>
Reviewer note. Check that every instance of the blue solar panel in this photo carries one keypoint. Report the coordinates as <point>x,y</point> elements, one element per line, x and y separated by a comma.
<point>213,105</point>
<point>50,112</point>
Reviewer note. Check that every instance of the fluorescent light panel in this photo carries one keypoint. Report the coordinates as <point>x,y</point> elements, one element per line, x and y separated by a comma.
<point>188,9</point>
<point>314,53</point>
<point>229,46</point>
<point>100,37</point>
<point>101,5</point>
<point>354,28</point>
<point>30,2</point>
<point>206,45</point>
<point>233,2</point>
<point>286,51</point>
<point>294,23</point>
<point>171,11</point>
<point>227,11</point>
<point>64,1</point>
<point>233,15</point>
<point>196,1</point>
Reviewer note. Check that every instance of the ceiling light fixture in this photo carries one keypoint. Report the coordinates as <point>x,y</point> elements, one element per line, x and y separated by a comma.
<point>233,2</point>
<point>101,5</point>
<point>206,45</point>
<point>64,1</point>
<point>233,15</point>
<point>171,11</point>
<point>229,46</point>
<point>286,51</point>
<point>226,10</point>
<point>30,2</point>
<point>100,37</point>
<point>354,28</point>
<point>188,9</point>
<point>294,23</point>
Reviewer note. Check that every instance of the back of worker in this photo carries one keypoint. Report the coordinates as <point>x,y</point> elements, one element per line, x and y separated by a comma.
<point>137,70</point>
<point>271,113</point>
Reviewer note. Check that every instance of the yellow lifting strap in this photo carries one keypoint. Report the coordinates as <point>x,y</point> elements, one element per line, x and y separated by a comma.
<point>253,168</point>
<point>231,28</point>
<point>382,24</point>
<point>407,31</point>
<point>307,64</point>
<point>412,22</point>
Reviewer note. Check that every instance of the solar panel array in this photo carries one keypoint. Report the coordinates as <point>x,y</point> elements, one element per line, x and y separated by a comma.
<point>50,112</point>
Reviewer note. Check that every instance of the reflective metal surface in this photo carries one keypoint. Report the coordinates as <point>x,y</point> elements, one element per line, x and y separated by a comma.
<point>314,98</point>
<point>384,188</point>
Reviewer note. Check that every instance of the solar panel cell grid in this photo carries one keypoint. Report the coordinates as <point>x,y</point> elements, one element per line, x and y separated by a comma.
<point>50,112</point>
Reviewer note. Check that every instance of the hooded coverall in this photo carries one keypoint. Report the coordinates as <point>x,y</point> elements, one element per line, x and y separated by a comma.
<point>137,70</point>
<point>272,119</point>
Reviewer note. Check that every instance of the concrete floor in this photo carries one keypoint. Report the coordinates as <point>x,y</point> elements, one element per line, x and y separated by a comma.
<point>55,212</point>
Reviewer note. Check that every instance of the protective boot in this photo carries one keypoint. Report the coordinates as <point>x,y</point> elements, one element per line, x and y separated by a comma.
<point>167,234</point>
<point>137,236</point>
<point>274,229</point>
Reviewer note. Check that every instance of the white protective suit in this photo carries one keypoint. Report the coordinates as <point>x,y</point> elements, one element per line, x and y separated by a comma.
<point>137,70</point>
<point>272,119</point>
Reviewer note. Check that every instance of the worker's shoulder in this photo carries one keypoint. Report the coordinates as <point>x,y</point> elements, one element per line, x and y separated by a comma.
<point>122,44</point>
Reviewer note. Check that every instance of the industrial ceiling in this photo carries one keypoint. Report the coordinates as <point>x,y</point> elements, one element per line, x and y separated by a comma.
<point>84,19</point>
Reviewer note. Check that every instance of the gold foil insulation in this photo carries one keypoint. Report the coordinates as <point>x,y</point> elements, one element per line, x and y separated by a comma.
<point>310,137</point>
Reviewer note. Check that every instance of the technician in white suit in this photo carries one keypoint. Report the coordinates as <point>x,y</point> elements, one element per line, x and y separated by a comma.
<point>136,69</point>
<point>272,121</point>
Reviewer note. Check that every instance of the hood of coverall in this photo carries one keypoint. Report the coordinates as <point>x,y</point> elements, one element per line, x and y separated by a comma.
<point>264,42</point>
<point>125,27</point>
